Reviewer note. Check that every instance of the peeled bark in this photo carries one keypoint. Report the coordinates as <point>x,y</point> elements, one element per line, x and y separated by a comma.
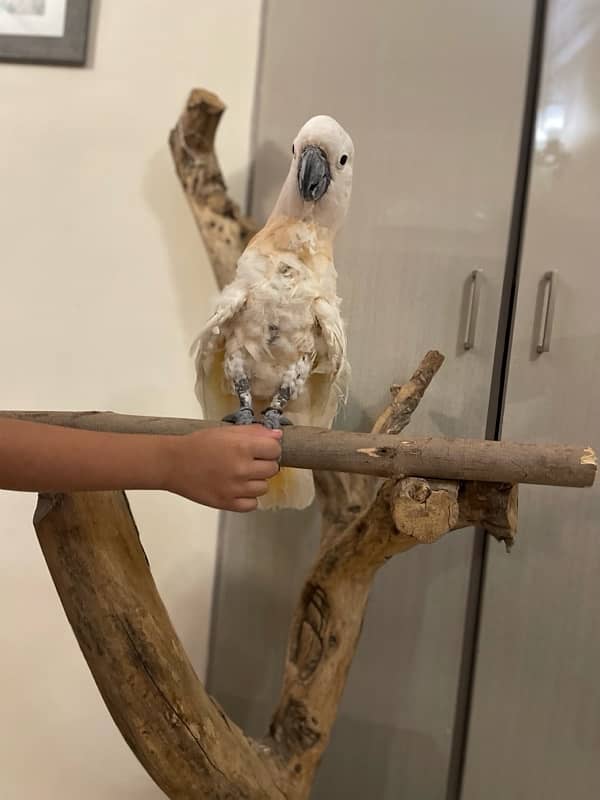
<point>224,229</point>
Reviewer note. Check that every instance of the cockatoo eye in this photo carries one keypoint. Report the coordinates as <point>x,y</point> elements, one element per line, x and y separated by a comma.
<point>343,160</point>
<point>293,150</point>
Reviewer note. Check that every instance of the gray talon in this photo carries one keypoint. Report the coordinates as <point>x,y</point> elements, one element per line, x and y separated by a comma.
<point>244,416</point>
<point>273,418</point>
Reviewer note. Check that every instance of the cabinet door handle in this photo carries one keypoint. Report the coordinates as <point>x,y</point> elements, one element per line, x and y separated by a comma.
<point>473,309</point>
<point>549,289</point>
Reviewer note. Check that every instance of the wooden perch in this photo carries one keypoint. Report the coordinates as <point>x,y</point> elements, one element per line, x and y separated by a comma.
<point>91,544</point>
<point>179,734</point>
<point>383,455</point>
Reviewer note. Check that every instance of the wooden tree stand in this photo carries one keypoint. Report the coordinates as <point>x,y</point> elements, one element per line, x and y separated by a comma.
<point>373,508</point>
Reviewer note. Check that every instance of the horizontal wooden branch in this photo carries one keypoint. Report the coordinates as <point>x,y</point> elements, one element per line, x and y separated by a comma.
<point>383,455</point>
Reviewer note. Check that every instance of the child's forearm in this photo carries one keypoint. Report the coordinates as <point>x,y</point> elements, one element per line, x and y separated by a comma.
<point>225,467</point>
<point>40,458</point>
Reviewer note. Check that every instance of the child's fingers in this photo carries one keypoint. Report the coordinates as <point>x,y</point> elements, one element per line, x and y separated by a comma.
<point>255,488</point>
<point>261,469</point>
<point>244,504</point>
<point>257,431</point>
<point>266,448</point>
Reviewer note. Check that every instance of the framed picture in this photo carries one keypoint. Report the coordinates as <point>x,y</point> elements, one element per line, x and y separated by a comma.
<point>44,31</point>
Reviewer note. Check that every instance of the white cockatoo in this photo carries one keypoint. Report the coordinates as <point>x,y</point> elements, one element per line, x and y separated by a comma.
<point>276,339</point>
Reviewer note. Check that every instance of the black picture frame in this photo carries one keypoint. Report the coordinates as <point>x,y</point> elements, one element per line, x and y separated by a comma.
<point>67,50</point>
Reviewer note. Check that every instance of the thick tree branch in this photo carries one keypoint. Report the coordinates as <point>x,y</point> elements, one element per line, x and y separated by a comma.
<point>180,735</point>
<point>327,625</point>
<point>329,616</point>
<point>224,229</point>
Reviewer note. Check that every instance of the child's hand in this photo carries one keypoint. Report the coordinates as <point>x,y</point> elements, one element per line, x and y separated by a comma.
<point>224,467</point>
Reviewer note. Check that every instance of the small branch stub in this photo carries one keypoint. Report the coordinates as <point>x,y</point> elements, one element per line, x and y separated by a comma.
<point>424,510</point>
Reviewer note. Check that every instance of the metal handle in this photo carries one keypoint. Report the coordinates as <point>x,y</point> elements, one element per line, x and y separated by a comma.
<point>543,345</point>
<point>473,309</point>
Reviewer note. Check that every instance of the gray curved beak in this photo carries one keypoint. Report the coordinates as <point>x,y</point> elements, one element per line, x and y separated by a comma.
<point>314,175</point>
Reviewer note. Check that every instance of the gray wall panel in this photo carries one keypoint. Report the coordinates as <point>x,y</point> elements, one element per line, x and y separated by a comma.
<point>535,727</point>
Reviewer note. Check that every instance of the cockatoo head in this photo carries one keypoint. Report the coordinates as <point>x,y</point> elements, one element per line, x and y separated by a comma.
<point>319,183</point>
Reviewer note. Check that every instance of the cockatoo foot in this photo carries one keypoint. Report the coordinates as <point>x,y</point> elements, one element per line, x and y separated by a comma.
<point>243,416</point>
<point>273,418</point>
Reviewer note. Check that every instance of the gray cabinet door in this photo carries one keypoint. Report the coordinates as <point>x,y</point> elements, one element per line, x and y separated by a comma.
<point>535,725</point>
<point>432,94</point>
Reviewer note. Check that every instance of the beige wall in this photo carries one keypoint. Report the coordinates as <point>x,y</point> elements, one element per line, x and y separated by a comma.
<point>104,285</point>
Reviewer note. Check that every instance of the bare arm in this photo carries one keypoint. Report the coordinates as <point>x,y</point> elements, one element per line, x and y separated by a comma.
<point>221,467</point>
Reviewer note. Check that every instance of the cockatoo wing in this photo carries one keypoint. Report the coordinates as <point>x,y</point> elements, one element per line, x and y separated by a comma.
<point>214,397</point>
<point>328,384</point>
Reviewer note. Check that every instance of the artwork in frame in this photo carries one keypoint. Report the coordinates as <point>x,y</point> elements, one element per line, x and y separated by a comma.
<point>44,31</point>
